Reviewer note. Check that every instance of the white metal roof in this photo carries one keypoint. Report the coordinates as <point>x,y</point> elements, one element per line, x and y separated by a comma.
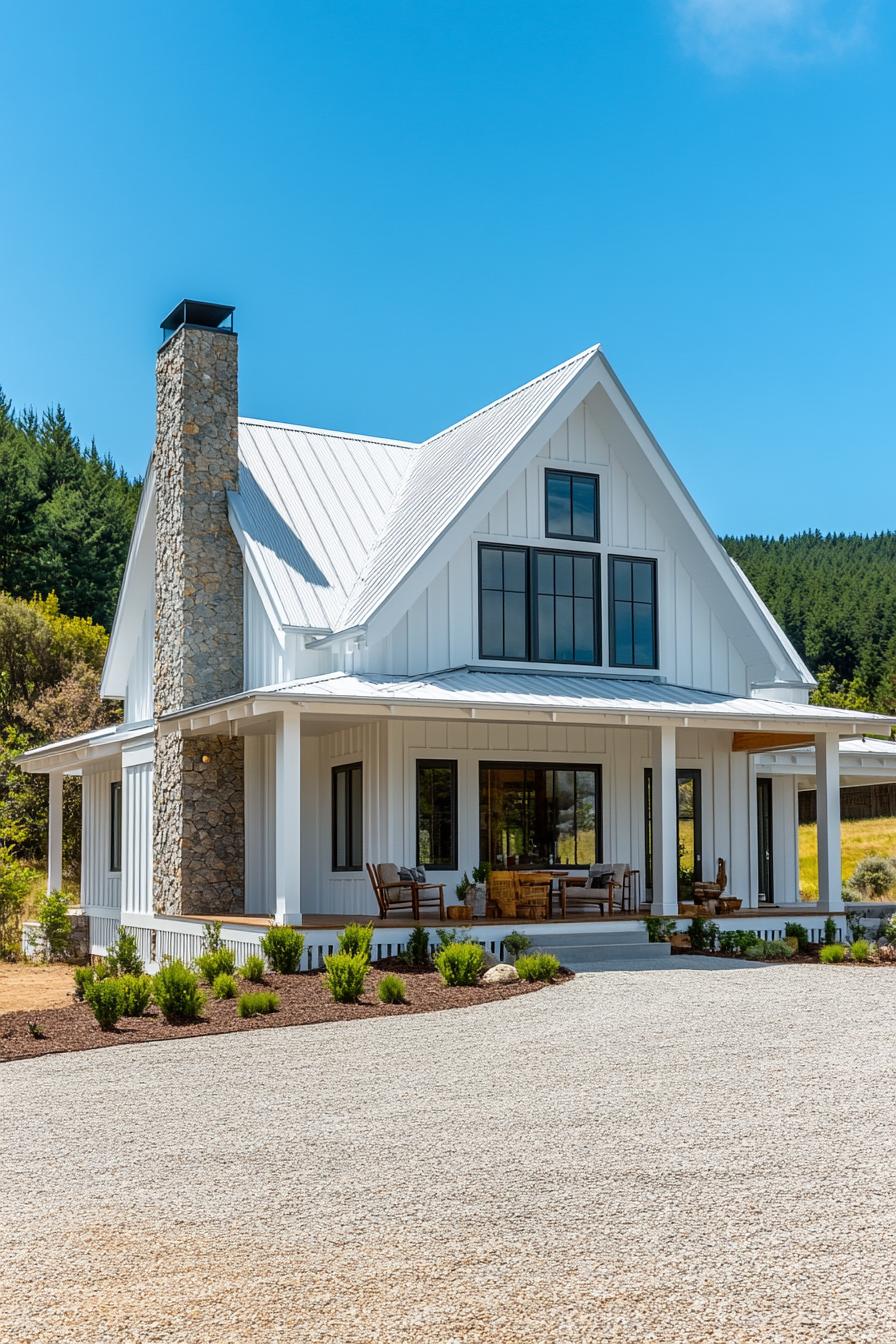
<point>310,506</point>
<point>70,752</point>
<point>616,696</point>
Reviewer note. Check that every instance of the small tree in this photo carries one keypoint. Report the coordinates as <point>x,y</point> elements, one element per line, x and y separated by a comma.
<point>52,917</point>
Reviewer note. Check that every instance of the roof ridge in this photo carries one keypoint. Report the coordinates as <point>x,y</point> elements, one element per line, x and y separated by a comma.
<point>327,433</point>
<point>523,387</point>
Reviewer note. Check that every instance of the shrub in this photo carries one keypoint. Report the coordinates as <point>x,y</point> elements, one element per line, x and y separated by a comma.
<point>15,883</point>
<point>252,969</point>
<point>283,948</point>
<point>539,966</point>
<point>460,963</point>
<point>888,929</point>
<point>799,932</point>
<point>121,957</point>
<point>703,934</point>
<point>36,1030</point>
<point>448,937</point>
<point>176,991</point>
<point>515,944</point>
<point>136,992</point>
<point>392,989</point>
<point>106,1000</point>
<point>873,879</point>
<point>832,952</point>
<point>224,986</point>
<point>211,936</point>
<point>754,951</point>
<point>830,931</point>
<point>212,964</point>
<point>356,940</point>
<point>861,950</point>
<point>416,950</point>
<point>52,916</point>
<point>737,940</point>
<point>345,972</point>
<point>257,1003</point>
<point>777,950</point>
<point>84,978</point>
<point>660,928</point>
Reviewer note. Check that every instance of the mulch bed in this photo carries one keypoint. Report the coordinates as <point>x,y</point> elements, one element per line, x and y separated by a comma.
<point>798,959</point>
<point>304,999</point>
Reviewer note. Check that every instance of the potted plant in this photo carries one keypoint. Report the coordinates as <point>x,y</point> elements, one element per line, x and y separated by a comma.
<point>464,908</point>
<point>480,878</point>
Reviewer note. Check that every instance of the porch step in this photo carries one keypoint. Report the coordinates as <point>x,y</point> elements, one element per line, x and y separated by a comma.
<point>595,949</point>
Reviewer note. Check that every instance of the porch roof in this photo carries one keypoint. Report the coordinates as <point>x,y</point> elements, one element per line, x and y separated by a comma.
<point>477,692</point>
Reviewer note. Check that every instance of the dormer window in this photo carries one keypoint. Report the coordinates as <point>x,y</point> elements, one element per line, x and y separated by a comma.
<point>572,506</point>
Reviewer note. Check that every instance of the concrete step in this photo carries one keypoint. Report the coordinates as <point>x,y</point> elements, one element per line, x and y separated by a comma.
<point>602,947</point>
<point>633,936</point>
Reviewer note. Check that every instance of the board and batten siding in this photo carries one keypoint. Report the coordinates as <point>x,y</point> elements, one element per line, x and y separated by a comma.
<point>136,819</point>
<point>389,752</point>
<point>100,887</point>
<point>440,629</point>
<point>272,655</point>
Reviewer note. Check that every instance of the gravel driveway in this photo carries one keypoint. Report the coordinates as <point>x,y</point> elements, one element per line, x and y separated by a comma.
<point>686,1154</point>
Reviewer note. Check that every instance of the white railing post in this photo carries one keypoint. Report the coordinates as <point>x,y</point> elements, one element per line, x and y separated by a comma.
<point>665,823</point>
<point>827,795</point>
<point>54,834</point>
<point>287,817</point>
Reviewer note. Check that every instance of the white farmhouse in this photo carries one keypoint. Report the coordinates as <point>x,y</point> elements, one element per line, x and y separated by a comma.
<point>518,643</point>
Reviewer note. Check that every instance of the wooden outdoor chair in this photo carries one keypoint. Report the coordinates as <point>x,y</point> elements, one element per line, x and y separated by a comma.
<point>396,894</point>
<point>607,886</point>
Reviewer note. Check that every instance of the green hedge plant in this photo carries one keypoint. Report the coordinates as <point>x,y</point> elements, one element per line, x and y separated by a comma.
<point>515,944</point>
<point>224,986</point>
<point>283,948</point>
<point>121,956</point>
<point>737,940</point>
<point>660,928</point>
<point>136,993</point>
<point>873,879</point>
<point>777,950</point>
<point>416,949</point>
<point>344,975</point>
<point>210,965</point>
<point>357,940</point>
<point>704,934</point>
<point>860,950</point>
<point>257,1003</point>
<point>252,969</point>
<point>460,963</point>
<point>799,932</point>
<point>106,1001</point>
<point>54,924</point>
<point>176,991</point>
<point>832,952</point>
<point>539,966</point>
<point>392,989</point>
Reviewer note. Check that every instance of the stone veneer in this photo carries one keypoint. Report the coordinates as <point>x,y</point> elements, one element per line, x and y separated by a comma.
<point>198,844</point>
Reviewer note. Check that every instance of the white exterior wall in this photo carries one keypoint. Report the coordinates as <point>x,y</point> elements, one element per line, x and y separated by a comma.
<point>389,751</point>
<point>138,698</point>
<point>100,887</point>
<point>441,628</point>
<point>136,826</point>
<point>270,654</point>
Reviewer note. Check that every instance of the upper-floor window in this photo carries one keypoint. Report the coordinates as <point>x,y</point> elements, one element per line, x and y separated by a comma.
<point>633,637</point>
<point>559,623</point>
<point>572,509</point>
<point>348,833</point>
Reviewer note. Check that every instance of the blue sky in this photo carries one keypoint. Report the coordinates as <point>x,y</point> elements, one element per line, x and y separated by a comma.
<point>417,206</point>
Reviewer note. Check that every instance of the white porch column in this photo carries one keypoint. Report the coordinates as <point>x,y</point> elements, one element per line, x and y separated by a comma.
<point>54,835</point>
<point>827,793</point>
<point>665,823</point>
<point>287,817</point>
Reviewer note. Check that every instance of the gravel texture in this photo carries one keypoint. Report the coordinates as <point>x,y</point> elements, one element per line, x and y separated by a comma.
<point>693,1154</point>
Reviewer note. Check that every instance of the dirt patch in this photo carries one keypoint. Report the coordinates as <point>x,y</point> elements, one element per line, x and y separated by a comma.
<point>304,999</point>
<point>25,988</point>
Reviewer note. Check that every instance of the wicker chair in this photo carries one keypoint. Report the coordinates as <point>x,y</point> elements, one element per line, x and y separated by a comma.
<point>503,892</point>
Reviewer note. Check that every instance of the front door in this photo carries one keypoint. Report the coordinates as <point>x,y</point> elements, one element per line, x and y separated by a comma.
<point>764,833</point>
<point>690,832</point>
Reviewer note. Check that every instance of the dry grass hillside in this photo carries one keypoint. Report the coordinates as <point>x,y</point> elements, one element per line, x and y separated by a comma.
<point>859,838</point>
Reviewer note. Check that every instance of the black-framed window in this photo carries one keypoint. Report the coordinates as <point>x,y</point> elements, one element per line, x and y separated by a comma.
<point>566,607</point>
<point>561,622</point>
<point>571,505</point>
<point>503,601</point>
<point>115,826</point>
<point>348,818</point>
<point>533,815</point>
<point>632,602</point>
<point>437,814</point>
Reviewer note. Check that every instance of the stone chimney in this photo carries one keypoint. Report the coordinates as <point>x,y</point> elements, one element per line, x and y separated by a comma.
<point>198,844</point>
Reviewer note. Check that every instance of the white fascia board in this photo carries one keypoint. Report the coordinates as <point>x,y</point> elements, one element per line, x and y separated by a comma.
<point>750,605</point>
<point>129,609</point>
<point>443,546</point>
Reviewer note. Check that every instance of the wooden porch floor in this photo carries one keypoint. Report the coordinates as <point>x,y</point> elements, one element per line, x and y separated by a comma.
<point>339,921</point>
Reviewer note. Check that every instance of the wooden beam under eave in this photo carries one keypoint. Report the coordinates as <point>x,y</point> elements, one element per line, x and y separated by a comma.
<point>768,741</point>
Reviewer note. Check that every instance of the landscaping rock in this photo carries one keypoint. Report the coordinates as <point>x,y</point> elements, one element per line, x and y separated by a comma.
<point>502,974</point>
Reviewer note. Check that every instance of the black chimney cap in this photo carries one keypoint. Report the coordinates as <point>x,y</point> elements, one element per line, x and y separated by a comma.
<point>194,313</point>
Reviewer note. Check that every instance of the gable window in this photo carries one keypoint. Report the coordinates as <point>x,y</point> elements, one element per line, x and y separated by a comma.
<point>503,602</point>
<point>115,826</point>
<point>437,814</point>
<point>571,501</point>
<point>348,839</point>
<point>566,607</point>
<point>632,612</point>
<point>533,815</point>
